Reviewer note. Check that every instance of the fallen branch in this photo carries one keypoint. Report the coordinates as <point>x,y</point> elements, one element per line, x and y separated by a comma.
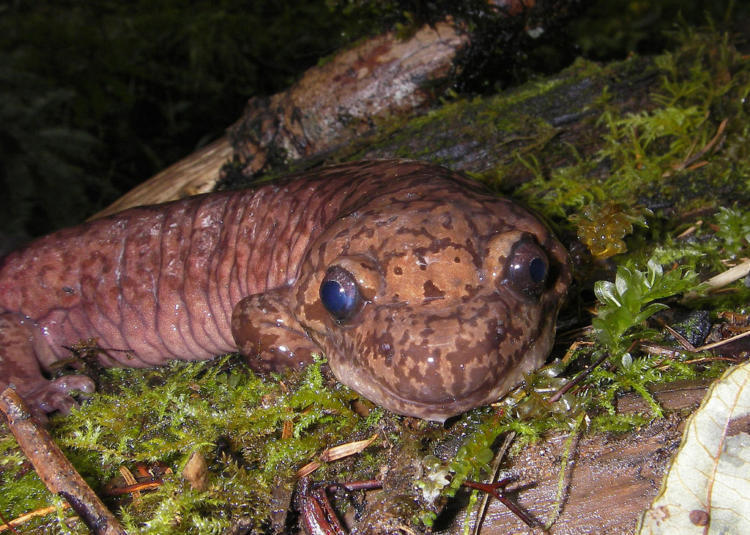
<point>54,469</point>
<point>20,520</point>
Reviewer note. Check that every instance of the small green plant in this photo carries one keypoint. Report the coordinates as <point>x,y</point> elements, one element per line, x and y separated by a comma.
<point>631,299</point>
<point>625,305</point>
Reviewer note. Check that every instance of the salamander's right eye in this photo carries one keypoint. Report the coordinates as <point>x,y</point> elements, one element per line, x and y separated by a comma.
<point>527,268</point>
<point>340,294</point>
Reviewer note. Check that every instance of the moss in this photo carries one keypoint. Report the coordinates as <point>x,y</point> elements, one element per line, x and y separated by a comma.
<point>686,147</point>
<point>164,415</point>
<point>443,135</point>
<point>22,489</point>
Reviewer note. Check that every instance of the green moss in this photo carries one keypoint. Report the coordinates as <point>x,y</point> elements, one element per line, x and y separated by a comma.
<point>733,229</point>
<point>686,148</point>
<point>165,415</point>
<point>440,135</point>
<point>22,489</point>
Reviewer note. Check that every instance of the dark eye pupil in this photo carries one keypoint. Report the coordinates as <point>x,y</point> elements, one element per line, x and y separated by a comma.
<point>527,268</point>
<point>537,270</point>
<point>339,293</point>
<point>334,297</point>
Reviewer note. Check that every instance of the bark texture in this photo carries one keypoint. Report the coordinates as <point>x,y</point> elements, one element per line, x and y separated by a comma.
<point>609,481</point>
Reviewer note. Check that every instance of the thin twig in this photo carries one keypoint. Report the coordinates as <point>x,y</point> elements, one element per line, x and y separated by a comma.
<point>577,379</point>
<point>19,520</point>
<point>691,160</point>
<point>54,469</point>
<point>726,277</point>
<point>684,342</point>
<point>134,488</point>
<point>495,468</point>
<point>722,342</point>
<point>496,490</point>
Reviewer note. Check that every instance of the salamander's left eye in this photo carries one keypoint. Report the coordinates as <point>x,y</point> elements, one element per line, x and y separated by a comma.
<point>528,268</point>
<point>340,294</point>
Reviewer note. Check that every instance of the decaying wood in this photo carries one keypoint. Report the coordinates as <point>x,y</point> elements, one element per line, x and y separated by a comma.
<point>341,99</point>
<point>610,479</point>
<point>54,469</point>
<point>330,104</point>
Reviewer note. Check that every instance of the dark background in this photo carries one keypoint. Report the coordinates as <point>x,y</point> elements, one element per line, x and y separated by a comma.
<point>97,96</point>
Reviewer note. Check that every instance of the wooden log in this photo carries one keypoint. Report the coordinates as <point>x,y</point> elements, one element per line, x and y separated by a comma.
<point>343,98</point>
<point>329,105</point>
<point>610,480</point>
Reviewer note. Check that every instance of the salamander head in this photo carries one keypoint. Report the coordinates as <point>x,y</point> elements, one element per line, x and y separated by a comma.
<point>432,299</point>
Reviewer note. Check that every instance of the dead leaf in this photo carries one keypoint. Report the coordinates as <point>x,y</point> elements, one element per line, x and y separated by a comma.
<point>707,489</point>
<point>196,471</point>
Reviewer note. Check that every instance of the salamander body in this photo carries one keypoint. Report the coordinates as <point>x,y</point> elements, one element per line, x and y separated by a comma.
<point>426,294</point>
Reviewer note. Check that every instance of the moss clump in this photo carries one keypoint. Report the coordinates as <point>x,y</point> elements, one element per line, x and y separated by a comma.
<point>162,416</point>
<point>22,490</point>
<point>686,147</point>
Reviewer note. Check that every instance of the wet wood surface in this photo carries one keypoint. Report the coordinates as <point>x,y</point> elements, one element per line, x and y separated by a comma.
<point>610,479</point>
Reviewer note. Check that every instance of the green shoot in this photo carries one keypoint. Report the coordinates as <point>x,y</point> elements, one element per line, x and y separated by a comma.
<point>631,299</point>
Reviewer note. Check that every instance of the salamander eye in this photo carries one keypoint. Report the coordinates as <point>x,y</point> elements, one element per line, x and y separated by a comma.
<point>340,294</point>
<point>528,268</point>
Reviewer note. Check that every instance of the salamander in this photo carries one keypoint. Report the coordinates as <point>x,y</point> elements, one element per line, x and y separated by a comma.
<point>427,294</point>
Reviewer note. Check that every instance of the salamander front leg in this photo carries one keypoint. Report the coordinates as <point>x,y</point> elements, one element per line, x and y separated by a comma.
<point>268,334</point>
<point>23,352</point>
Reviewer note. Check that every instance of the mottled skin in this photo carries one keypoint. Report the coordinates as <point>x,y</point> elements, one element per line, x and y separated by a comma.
<point>440,327</point>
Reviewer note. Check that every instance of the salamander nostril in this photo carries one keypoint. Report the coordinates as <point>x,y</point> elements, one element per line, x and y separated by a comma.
<point>387,351</point>
<point>500,331</point>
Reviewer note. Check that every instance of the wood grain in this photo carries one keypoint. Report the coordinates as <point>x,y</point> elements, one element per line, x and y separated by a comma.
<point>611,478</point>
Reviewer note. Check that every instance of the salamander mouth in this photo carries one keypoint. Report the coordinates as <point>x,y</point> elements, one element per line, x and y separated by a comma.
<point>433,410</point>
<point>438,409</point>
<point>482,384</point>
<point>436,362</point>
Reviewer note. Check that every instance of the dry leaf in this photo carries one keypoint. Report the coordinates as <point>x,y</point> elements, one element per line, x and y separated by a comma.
<point>707,489</point>
<point>335,453</point>
<point>196,471</point>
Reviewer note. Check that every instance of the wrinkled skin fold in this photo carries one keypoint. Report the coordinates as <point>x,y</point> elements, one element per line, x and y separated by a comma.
<point>427,295</point>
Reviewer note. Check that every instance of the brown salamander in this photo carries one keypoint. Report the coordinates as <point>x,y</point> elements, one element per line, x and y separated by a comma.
<point>427,295</point>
